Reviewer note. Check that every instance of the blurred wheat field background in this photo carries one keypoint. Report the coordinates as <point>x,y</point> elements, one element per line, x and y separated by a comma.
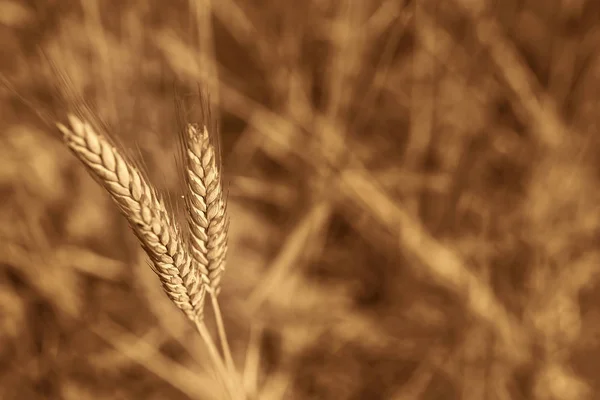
<point>413,194</point>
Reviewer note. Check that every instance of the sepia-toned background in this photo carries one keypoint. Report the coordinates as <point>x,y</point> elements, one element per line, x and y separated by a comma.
<point>413,190</point>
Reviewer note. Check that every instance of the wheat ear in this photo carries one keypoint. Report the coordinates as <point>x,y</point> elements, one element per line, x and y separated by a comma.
<point>207,216</point>
<point>206,206</point>
<point>145,211</point>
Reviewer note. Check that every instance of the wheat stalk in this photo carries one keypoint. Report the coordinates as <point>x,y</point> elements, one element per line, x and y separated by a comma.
<point>153,225</point>
<point>207,213</point>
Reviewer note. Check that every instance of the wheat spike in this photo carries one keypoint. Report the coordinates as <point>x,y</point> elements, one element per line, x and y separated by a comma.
<point>206,206</point>
<point>145,211</point>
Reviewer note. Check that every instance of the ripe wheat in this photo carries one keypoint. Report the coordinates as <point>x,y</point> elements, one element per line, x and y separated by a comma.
<point>186,270</point>
<point>206,205</point>
<point>206,208</point>
<point>145,211</point>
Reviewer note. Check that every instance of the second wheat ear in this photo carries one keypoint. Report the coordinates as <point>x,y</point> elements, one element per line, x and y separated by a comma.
<point>206,206</point>
<point>207,218</point>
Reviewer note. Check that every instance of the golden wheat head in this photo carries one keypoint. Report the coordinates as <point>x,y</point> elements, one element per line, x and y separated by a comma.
<point>145,211</point>
<point>206,205</point>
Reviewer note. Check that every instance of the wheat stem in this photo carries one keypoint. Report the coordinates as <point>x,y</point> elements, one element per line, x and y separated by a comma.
<point>216,359</point>
<point>222,333</point>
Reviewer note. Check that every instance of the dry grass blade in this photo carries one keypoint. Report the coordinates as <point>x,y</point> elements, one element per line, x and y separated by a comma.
<point>145,211</point>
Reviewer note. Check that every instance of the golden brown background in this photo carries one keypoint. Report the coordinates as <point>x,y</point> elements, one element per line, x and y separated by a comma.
<point>413,189</point>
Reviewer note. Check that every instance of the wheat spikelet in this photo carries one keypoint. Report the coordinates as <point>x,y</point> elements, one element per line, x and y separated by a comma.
<point>145,211</point>
<point>206,206</point>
